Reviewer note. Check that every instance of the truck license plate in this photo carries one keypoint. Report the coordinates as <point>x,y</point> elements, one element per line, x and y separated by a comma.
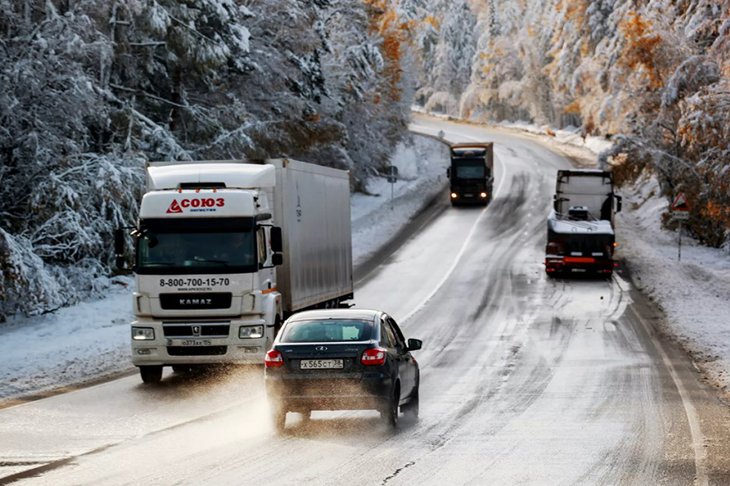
<point>321,364</point>
<point>189,342</point>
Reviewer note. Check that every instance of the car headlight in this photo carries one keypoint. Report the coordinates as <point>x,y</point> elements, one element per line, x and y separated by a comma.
<point>251,332</point>
<point>143,334</point>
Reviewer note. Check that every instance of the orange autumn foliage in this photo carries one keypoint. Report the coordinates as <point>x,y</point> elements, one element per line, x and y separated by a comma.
<point>640,49</point>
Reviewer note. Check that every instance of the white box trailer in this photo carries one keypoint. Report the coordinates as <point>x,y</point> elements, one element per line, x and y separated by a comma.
<point>226,250</point>
<point>312,205</point>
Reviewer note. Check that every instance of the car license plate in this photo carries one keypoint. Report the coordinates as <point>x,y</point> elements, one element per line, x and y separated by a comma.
<point>578,270</point>
<point>468,195</point>
<point>189,342</point>
<point>321,364</point>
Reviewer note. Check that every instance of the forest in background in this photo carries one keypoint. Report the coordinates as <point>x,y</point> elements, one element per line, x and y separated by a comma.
<point>93,89</point>
<point>651,75</point>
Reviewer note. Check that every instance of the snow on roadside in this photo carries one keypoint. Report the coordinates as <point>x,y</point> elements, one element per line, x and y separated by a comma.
<point>694,292</point>
<point>90,340</point>
<point>421,176</point>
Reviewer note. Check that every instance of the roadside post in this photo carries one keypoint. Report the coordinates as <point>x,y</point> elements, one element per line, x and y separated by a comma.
<point>680,212</point>
<point>392,178</point>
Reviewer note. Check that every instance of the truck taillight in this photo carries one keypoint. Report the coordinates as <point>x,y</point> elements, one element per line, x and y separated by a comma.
<point>274,359</point>
<point>373,357</point>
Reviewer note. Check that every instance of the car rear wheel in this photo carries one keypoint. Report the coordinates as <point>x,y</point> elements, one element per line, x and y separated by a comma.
<point>390,409</point>
<point>151,375</point>
<point>278,418</point>
<point>410,410</point>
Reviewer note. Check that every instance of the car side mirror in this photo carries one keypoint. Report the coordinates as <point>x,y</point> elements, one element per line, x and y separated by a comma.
<point>277,242</point>
<point>414,344</point>
<point>277,259</point>
<point>448,172</point>
<point>619,200</point>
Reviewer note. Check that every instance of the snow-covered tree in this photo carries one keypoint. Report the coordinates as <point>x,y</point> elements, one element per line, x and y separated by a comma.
<point>92,89</point>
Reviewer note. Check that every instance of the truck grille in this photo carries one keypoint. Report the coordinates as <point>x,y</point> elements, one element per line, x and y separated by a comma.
<point>206,300</point>
<point>196,330</point>
<point>197,350</point>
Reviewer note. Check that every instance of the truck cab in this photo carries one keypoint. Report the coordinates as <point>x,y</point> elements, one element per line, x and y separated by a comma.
<point>471,173</point>
<point>205,253</point>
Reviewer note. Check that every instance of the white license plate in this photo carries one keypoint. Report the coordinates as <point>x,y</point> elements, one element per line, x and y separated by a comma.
<point>190,342</point>
<point>468,195</point>
<point>321,364</point>
<point>578,270</point>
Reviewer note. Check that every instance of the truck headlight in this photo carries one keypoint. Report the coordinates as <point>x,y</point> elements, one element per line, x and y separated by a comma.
<point>143,334</point>
<point>251,332</point>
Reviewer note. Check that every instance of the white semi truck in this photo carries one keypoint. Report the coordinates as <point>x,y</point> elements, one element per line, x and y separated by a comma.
<point>226,250</point>
<point>580,228</point>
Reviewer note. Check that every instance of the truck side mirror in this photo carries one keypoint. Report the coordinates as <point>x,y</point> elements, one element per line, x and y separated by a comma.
<point>277,259</point>
<point>119,260</point>
<point>619,200</point>
<point>277,242</point>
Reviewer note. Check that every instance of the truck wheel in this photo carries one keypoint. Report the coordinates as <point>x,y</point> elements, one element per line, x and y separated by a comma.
<point>151,375</point>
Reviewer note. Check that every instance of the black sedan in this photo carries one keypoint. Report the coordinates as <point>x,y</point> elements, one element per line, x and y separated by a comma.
<point>342,359</point>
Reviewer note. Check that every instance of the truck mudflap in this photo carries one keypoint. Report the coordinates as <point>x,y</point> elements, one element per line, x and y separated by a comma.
<point>559,265</point>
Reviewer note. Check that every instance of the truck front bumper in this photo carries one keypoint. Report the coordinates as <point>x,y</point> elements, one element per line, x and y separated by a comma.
<point>198,342</point>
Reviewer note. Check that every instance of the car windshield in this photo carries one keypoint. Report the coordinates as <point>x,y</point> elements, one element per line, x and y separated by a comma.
<point>469,169</point>
<point>326,330</point>
<point>196,247</point>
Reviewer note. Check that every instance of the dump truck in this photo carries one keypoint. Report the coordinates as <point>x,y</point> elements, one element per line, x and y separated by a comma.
<point>471,173</point>
<point>580,228</point>
<point>225,251</point>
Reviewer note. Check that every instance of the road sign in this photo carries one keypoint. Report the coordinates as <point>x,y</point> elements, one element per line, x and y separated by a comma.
<point>393,174</point>
<point>680,203</point>
<point>680,212</point>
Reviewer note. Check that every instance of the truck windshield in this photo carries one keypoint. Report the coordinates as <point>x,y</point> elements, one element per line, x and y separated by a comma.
<point>196,246</point>
<point>469,168</point>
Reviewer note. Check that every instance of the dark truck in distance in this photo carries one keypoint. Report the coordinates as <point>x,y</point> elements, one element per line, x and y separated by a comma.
<point>580,228</point>
<point>471,173</point>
